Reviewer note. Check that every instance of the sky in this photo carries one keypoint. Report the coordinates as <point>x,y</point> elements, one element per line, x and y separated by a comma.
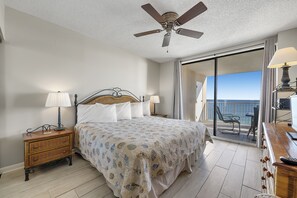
<point>241,86</point>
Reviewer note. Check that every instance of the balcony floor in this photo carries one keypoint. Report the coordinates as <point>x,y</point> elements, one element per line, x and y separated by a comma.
<point>224,131</point>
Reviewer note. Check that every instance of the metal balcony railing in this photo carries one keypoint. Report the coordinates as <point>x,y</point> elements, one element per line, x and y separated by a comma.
<point>236,107</point>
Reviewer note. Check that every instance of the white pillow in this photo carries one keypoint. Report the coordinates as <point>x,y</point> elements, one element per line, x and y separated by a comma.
<point>96,113</point>
<point>123,111</point>
<point>146,108</point>
<point>136,110</point>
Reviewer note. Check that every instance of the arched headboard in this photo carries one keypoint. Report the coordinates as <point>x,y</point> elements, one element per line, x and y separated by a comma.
<point>108,96</point>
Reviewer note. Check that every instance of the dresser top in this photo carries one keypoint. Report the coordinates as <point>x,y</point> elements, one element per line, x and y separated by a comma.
<point>280,143</point>
<point>44,135</point>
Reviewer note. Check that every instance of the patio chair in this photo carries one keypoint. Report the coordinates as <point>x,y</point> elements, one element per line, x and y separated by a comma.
<point>229,118</point>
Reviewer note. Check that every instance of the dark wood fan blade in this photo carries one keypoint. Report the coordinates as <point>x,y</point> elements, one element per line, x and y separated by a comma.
<point>166,39</point>
<point>153,12</point>
<point>192,13</point>
<point>190,33</point>
<point>147,32</point>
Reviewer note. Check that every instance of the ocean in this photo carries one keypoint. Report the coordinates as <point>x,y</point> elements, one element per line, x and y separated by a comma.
<point>236,107</point>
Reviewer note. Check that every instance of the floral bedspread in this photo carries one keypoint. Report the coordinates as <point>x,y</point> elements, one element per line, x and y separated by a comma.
<point>130,153</point>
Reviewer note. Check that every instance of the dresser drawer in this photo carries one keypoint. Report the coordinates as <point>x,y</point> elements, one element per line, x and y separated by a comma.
<point>46,145</point>
<point>48,156</point>
<point>268,171</point>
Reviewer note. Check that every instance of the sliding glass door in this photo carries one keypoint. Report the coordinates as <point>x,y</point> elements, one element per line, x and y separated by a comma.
<point>227,92</point>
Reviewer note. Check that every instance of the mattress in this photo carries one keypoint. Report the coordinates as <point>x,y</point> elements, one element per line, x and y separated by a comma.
<point>132,153</point>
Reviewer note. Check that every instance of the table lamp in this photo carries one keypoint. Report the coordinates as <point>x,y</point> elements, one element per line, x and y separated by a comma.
<point>59,100</point>
<point>284,58</point>
<point>155,100</point>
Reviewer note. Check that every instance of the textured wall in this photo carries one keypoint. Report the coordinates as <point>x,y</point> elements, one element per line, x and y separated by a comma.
<point>166,89</point>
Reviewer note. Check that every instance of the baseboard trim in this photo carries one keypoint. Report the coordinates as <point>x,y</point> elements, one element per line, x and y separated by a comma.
<point>13,167</point>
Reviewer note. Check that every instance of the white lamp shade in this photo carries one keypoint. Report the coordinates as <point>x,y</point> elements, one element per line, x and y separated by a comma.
<point>58,99</point>
<point>155,99</point>
<point>284,56</point>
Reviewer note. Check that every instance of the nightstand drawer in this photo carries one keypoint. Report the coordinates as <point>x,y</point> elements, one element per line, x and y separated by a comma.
<point>48,156</point>
<point>45,145</point>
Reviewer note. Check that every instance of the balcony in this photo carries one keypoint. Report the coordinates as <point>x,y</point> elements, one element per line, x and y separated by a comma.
<point>235,107</point>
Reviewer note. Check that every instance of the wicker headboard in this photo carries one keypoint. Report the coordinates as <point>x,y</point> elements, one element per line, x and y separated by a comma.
<point>108,96</point>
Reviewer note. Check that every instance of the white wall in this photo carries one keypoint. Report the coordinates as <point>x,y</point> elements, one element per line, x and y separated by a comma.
<point>2,28</point>
<point>166,89</point>
<point>288,38</point>
<point>39,57</point>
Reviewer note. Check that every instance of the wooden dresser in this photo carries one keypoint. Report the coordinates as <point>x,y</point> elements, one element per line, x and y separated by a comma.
<point>278,178</point>
<point>43,148</point>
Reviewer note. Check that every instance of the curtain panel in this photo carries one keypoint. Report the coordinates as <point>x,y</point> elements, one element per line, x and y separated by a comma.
<point>268,85</point>
<point>178,96</point>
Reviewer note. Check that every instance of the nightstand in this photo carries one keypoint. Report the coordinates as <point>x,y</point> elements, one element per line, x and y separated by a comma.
<point>160,115</point>
<point>42,148</point>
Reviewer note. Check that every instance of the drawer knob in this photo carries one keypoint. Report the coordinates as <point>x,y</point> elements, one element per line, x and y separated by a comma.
<point>264,147</point>
<point>35,147</point>
<point>266,158</point>
<point>269,174</point>
<point>264,169</point>
<point>263,178</point>
<point>264,187</point>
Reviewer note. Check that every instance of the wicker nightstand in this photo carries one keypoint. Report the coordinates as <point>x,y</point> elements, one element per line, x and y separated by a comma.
<point>43,148</point>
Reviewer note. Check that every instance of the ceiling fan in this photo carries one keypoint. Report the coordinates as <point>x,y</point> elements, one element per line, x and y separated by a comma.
<point>170,20</point>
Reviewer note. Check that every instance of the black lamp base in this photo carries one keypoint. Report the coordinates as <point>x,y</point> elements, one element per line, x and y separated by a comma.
<point>60,126</point>
<point>285,78</point>
<point>59,129</point>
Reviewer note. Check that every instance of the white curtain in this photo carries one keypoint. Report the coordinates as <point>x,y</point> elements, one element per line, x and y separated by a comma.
<point>178,96</point>
<point>268,85</point>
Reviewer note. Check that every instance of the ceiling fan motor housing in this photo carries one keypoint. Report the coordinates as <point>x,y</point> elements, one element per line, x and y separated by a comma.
<point>169,18</point>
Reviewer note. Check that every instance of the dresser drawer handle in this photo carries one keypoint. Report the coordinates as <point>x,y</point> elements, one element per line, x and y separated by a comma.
<point>264,187</point>
<point>35,147</point>
<point>35,159</point>
<point>266,158</point>
<point>264,169</point>
<point>269,174</point>
<point>264,147</point>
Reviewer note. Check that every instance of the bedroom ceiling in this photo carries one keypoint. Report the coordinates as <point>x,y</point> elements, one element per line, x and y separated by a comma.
<point>226,22</point>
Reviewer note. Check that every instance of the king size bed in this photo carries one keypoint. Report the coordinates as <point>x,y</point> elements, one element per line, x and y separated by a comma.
<point>139,157</point>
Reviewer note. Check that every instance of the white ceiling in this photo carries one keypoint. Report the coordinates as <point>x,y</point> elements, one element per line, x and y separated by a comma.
<point>245,62</point>
<point>226,22</point>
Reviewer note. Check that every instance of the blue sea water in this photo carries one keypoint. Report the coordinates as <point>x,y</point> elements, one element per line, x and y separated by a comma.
<point>236,107</point>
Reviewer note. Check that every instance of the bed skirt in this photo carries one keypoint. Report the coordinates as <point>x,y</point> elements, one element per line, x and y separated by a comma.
<point>163,182</point>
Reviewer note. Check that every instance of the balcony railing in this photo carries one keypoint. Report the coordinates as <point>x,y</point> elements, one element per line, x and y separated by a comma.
<point>236,107</point>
